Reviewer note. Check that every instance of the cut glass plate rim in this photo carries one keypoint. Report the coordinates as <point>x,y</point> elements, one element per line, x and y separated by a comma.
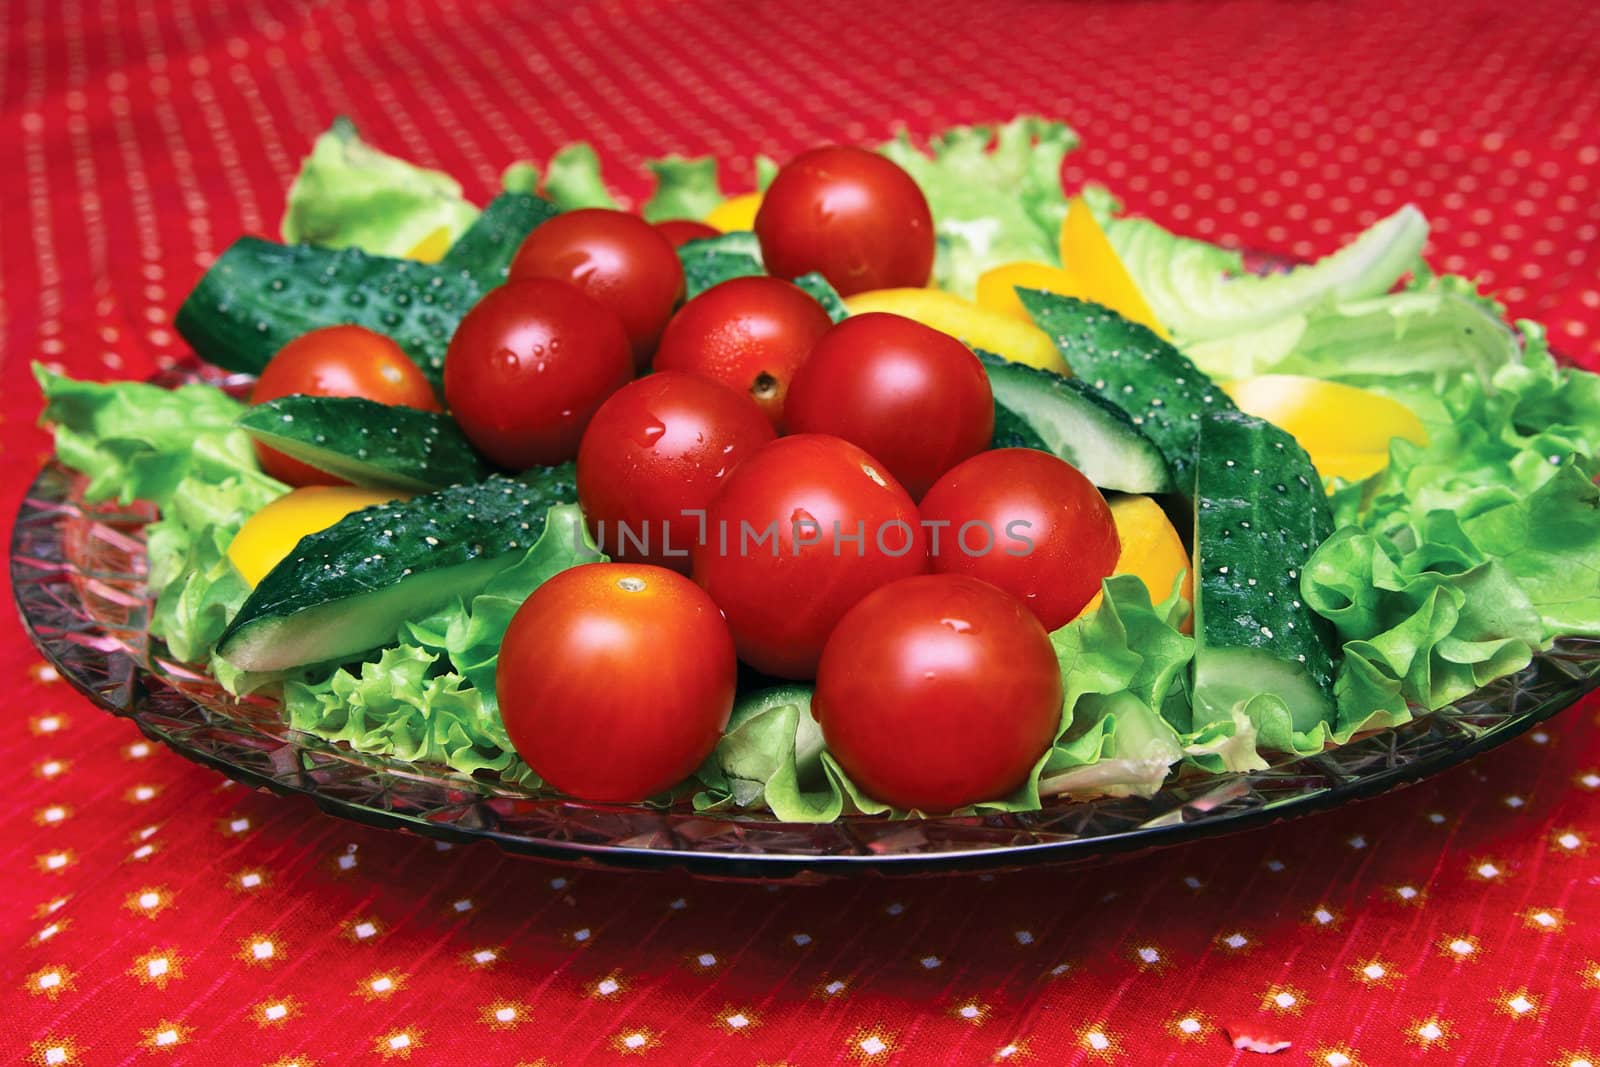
<point>77,583</point>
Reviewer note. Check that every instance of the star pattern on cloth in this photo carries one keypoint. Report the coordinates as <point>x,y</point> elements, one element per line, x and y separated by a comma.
<point>634,1041</point>
<point>1190,1026</point>
<point>503,1014</point>
<point>1517,1003</point>
<point>870,1044</point>
<point>276,1011</point>
<point>166,1035</point>
<point>1430,1032</point>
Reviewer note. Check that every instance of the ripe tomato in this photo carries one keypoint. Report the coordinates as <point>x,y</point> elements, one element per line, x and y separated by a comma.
<point>850,214</point>
<point>913,397</point>
<point>938,691</point>
<point>337,361</point>
<point>527,368</point>
<point>681,231</point>
<point>615,680</point>
<point>749,333</point>
<point>617,258</point>
<point>801,531</point>
<point>661,447</point>
<point>1029,523</point>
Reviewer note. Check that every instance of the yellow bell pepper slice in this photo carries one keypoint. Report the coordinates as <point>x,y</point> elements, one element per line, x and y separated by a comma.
<point>1152,551</point>
<point>268,536</point>
<point>1346,430</point>
<point>997,286</point>
<point>980,327</point>
<point>431,249</point>
<point>1087,255</point>
<point>735,213</point>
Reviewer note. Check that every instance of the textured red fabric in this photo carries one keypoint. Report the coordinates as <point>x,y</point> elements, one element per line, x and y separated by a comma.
<point>151,910</point>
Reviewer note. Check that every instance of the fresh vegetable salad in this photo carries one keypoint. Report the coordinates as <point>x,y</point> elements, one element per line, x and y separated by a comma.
<point>904,483</point>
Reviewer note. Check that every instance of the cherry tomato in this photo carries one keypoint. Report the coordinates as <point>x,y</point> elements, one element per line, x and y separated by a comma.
<point>751,334</point>
<point>528,367</point>
<point>850,214</point>
<point>1028,522</point>
<point>938,691</point>
<point>801,531</point>
<point>658,449</point>
<point>615,680</point>
<point>913,397</point>
<point>337,361</point>
<point>681,231</point>
<point>617,258</point>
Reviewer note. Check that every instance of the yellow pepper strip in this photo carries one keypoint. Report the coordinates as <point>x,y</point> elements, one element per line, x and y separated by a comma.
<point>269,535</point>
<point>735,213</point>
<point>980,327</point>
<point>997,286</point>
<point>431,249</point>
<point>1346,430</point>
<point>1151,550</point>
<point>1087,255</point>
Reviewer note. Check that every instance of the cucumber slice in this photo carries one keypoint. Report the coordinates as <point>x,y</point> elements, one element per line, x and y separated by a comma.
<point>347,589</point>
<point>711,260</point>
<point>485,251</point>
<point>825,294</point>
<point>259,296</point>
<point>381,445</point>
<point>1161,390</point>
<point>1260,511</point>
<point>1072,421</point>
<point>1012,431</point>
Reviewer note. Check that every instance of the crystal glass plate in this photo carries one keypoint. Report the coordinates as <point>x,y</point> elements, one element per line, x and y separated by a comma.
<point>79,579</point>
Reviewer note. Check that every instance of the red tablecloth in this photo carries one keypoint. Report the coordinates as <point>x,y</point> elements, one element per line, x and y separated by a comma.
<point>154,911</point>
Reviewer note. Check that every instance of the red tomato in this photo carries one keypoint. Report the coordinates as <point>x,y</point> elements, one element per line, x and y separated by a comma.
<point>528,367</point>
<point>615,680</point>
<point>938,691</point>
<point>337,361</point>
<point>617,258</point>
<point>1029,523</point>
<point>751,334</point>
<point>681,231</point>
<point>913,397</point>
<point>661,447</point>
<point>800,532</point>
<point>850,214</point>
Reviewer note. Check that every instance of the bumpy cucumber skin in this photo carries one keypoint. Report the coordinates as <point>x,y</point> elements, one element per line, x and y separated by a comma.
<point>1013,430</point>
<point>1164,393</point>
<point>712,260</point>
<point>485,251</point>
<point>825,294</point>
<point>1260,512</point>
<point>379,547</point>
<point>380,445</point>
<point>258,296</point>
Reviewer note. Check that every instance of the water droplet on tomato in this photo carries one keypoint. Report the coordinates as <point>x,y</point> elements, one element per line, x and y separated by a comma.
<point>960,626</point>
<point>651,432</point>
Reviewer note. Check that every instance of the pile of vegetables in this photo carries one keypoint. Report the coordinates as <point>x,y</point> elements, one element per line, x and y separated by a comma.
<point>490,504</point>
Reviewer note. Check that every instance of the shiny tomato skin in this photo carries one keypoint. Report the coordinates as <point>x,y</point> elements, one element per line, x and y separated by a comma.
<point>913,397</point>
<point>850,214</point>
<point>750,334</point>
<point>680,232</point>
<point>615,680</point>
<point>782,595</point>
<point>617,258</point>
<point>1073,537</point>
<point>661,446</point>
<point>529,366</point>
<point>337,361</point>
<point>938,691</point>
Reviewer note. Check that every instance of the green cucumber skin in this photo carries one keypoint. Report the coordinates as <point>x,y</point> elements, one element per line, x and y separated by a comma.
<point>1034,406</point>
<point>713,260</point>
<point>1164,393</point>
<point>485,251</point>
<point>258,296</point>
<point>825,294</point>
<point>377,551</point>
<point>362,441</point>
<point>1260,512</point>
<point>1012,431</point>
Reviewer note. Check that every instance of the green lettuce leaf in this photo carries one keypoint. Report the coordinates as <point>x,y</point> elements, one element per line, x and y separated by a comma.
<point>1198,302</point>
<point>685,188</point>
<point>349,194</point>
<point>995,194</point>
